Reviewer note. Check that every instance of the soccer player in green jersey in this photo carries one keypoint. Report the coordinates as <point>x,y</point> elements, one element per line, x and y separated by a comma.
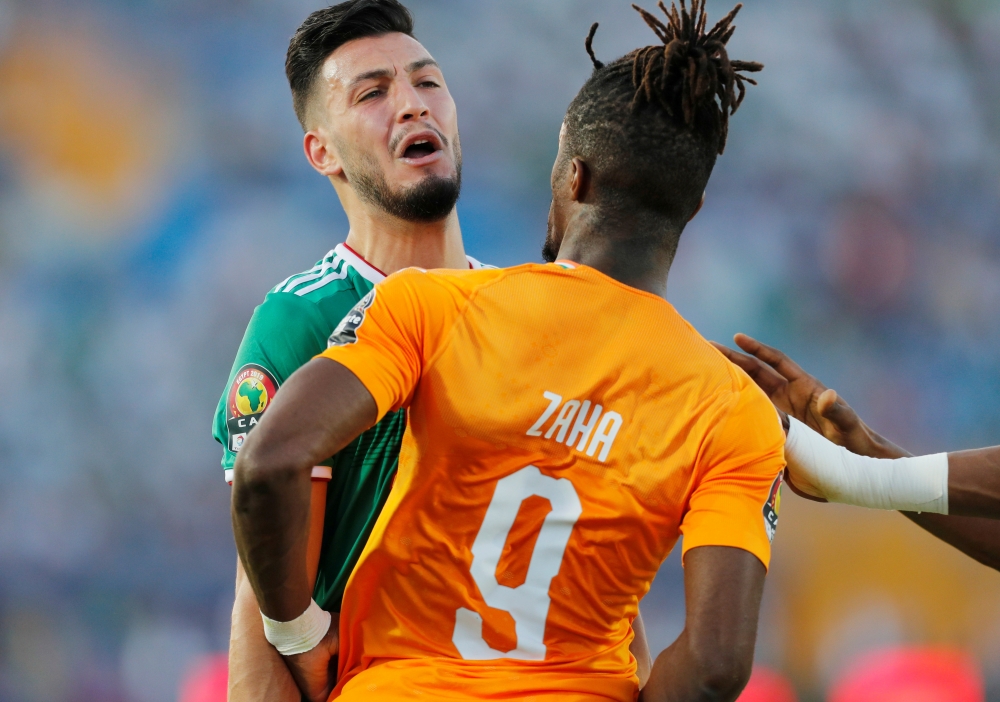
<point>380,123</point>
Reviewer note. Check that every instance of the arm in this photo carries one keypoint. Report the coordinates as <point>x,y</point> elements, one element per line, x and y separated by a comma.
<point>713,657</point>
<point>973,478</point>
<point>257,672</point>
<point>320,409</point>
<point>640,651</point>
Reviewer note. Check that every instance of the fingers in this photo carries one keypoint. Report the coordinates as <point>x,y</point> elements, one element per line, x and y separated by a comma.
<point>769,355</point>
<point>839,413</point>
<point>766,377</point>
<point>733,356</point>
<point>748,363</point>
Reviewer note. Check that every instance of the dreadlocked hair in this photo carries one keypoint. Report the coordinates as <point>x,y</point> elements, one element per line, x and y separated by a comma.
<point>651,124</point>
<point>692,69</point>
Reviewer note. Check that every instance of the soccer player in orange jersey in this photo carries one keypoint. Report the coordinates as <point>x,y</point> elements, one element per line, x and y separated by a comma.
<point>566,426</point>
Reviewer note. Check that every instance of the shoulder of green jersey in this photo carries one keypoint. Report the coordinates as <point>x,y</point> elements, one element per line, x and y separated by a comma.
<point>329,269</point>
<point>336,266</point>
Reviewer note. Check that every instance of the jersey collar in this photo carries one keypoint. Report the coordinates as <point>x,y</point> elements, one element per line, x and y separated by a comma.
<point>367,270</point>
<point>373,274</point>
<point>568,265</point>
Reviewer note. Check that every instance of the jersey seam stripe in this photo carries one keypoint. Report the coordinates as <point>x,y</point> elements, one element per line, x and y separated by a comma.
<point>336,275</point>
<point>283,283</point>
<point>328,265</point>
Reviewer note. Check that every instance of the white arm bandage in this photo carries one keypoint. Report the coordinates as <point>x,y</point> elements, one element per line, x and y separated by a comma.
<point>820,468</point>
<point>299,635</point>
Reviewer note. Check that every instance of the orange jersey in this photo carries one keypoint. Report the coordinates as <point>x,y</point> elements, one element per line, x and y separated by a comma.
<point>564,431</point>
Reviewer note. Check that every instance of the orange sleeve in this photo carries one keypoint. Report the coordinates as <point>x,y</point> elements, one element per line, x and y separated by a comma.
<point>736,497</point>
<point>387,337</point>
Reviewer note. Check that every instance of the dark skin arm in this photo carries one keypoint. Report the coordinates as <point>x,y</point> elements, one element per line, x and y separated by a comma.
<point>973,476</point>
<point>320,409</point>
<point>711,660</point>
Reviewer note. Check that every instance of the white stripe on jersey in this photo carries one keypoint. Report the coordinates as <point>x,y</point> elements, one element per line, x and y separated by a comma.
<point>279,286</point>
<point>325,272</point>
<point>323,282</point>
<point>329,264</point>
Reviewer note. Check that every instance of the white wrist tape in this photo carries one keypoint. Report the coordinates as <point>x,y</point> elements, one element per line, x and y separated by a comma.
<point>299,635</point>
<point>820,468</point>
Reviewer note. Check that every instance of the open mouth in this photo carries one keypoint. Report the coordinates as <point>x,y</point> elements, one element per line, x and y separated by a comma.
<point>420,149</point>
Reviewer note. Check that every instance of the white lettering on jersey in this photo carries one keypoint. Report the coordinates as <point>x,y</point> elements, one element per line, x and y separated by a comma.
<point>566,415</point>
<point>582,429</point>
<point>554,402</point>
<point>605,435</point>
<point>603,438</point>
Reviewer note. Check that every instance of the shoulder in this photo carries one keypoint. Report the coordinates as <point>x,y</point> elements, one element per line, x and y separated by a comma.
<point>333,274</point>
<point>326,291</point>
<point>444,282</point>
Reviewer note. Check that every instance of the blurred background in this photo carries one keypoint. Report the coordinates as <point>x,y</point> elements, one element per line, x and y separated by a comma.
<point>152,190</point>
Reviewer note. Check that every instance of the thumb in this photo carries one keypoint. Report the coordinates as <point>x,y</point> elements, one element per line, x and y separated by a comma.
<point>831,408</point>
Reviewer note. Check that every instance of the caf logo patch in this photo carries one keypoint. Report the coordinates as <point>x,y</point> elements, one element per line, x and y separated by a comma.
<point>347,331</point>
<point>252,391</point>
<point>772,507</point>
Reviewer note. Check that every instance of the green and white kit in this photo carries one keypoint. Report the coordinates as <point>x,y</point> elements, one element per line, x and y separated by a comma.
<point>288,329</point>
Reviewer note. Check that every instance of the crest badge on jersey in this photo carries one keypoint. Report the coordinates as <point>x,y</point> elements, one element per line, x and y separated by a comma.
<point>252,391</point>
<point>347,331</point>
<point>772,507</point>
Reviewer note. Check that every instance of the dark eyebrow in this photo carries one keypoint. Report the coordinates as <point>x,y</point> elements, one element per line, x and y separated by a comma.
<point>422,63</point>
<point>370,75</point>
<point>386,73</point>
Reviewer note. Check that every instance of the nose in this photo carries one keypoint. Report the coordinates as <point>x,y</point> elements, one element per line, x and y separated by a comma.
<point>411,105</point>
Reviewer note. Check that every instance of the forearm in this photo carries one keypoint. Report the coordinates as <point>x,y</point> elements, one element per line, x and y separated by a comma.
<point>257,673</point>
<point>712,659</point>
<point>319,410</point>
<point>271,525</point>
<point>976,537</point>
<point>680,675</point>
<point>973,480</point>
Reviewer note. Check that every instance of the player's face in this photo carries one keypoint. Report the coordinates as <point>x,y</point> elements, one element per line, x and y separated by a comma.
<point>390,125</point>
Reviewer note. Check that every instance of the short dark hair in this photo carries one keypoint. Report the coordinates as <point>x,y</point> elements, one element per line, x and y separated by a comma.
<point>326,30</point>
<point>651,124</point>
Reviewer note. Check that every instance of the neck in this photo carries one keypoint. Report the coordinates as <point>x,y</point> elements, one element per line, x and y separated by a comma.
<point>390,244</point>
<point>628,250</point>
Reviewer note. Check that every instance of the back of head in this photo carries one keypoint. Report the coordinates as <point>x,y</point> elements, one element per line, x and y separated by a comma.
<point>326,30</point>
<point>651,124</point>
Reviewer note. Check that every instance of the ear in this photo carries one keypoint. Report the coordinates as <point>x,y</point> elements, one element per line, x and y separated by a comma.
<point>320,155</point>
<point>579,185</point>
<point>698,208</point>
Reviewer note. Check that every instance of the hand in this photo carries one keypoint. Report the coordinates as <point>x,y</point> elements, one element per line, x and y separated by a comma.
<point>794,391</point>
<point>315,671</point>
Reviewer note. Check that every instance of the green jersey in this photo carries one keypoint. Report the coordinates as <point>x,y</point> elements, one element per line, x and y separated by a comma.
<point>288,329</point>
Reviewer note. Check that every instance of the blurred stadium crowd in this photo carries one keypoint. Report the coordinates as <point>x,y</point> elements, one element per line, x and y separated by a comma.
<point>152,189</point>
